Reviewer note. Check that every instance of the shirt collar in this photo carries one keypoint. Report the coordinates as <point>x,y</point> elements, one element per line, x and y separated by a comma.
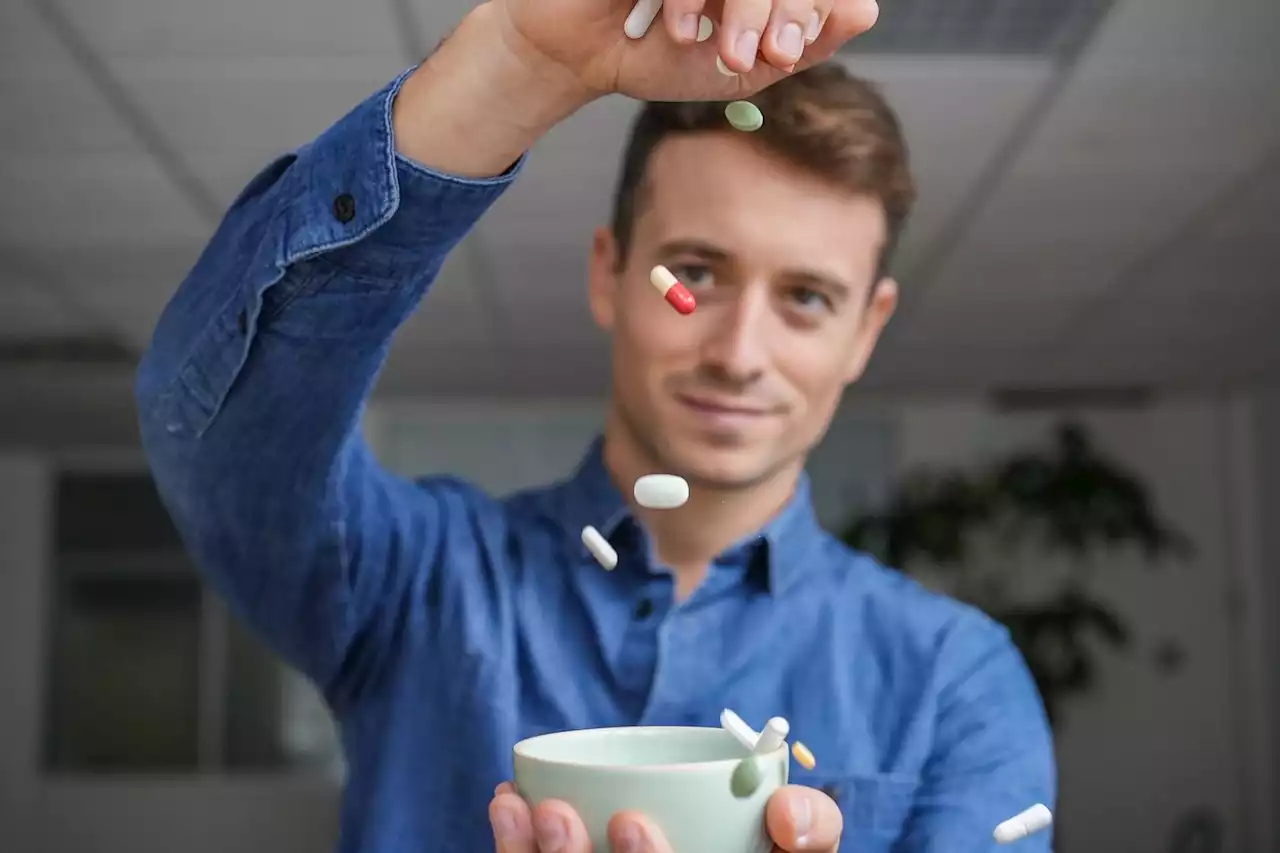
<point>789,541</point>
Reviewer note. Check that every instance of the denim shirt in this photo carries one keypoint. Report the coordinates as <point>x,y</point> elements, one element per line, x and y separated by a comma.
<point>443,624</point>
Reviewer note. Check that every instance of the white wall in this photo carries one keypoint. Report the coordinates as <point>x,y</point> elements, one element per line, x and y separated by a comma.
<point>1132,756</point>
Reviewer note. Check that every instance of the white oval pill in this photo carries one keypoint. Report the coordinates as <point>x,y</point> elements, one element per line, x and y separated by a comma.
<point>599,548</point>
<point>705,28</point>
<point>724,69</point>
<point>661,491</point>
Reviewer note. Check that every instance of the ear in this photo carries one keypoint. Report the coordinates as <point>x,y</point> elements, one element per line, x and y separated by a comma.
<point>883,302</point>
<point>602,278</point>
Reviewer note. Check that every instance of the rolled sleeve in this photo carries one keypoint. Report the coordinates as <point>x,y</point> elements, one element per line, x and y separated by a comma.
<point>381,224</point>
<point>250,394</point>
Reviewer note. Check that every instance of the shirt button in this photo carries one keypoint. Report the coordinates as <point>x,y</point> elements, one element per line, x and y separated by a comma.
<point>344,208</point>
<point>644,609</point>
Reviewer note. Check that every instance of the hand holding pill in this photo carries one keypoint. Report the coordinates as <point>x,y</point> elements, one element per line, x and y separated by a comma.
<point>669,49</point>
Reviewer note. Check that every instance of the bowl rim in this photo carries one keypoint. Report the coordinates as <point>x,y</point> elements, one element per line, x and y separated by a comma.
<point>521,751</point>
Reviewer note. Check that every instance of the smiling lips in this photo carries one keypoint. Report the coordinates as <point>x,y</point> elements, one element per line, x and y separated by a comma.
<point>723,413</point>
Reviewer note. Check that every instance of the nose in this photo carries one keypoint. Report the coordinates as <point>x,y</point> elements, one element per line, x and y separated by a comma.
<point>736,349</point>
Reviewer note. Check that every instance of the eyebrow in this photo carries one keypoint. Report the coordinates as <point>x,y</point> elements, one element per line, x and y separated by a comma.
<point>711,252</point>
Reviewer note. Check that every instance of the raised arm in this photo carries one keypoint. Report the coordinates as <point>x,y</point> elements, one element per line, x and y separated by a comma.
<point>994,755</point>
<point>251,392</point>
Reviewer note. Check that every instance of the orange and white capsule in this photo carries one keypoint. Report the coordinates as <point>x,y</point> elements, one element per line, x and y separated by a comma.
<point>804,755</point>
<point>676,294</point>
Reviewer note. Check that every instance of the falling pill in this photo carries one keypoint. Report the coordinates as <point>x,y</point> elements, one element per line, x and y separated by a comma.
<point>676,294</point>
<point>803,755</point>
<point>774,735</point>
<point>599,548</point>
<point>1029,822</point>
<point>738,727</point>
<point>744,116</point>
<point>661,491</point>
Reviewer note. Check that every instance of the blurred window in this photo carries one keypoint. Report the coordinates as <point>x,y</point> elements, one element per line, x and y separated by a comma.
<point>147,672</point>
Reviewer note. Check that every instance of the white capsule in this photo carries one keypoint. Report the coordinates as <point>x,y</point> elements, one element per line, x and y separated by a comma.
<point>641,18</point>
<point>705,28</point>
<point>599,548</point>
<point>1033,820</point>
<point>661,491</point>
<point>774,735</point>
<point>738,727</point>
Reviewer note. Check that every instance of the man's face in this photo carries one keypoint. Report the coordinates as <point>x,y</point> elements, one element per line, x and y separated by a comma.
<point>783,267</point>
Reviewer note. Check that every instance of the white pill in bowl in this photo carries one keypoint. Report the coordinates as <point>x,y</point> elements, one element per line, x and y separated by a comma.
<point>661,491</point>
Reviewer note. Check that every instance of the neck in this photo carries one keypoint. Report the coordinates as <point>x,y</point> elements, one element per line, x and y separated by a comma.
<point>689,538</point>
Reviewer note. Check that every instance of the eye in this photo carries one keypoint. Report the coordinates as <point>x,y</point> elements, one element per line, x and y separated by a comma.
<point>693,275</point>
<point>809,299</point>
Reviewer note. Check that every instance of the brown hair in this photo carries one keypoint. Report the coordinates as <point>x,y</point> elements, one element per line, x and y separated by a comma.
<point>822,119</point>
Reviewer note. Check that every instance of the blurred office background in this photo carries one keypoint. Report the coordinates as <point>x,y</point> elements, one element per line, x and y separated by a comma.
<point>1098,238</point>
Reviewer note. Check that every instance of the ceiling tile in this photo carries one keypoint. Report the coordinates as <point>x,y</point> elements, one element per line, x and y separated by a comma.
<point>50,108</point>
<point>566,187</point>
<point>1240,272</point>
<point>120,199</point>
<point>29,311</point>
<point>1146,36</point>
<point>235,29</point>
<point>1082,231</point>
<point>1255,213</point>
<point>956,113</point>
<point>1119,124</point>
<point>273,104</point>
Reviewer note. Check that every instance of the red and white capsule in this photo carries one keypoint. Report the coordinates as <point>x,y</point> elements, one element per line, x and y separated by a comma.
<point>676,294</point>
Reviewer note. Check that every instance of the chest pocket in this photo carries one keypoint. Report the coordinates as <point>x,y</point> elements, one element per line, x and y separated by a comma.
<point>875,806</point>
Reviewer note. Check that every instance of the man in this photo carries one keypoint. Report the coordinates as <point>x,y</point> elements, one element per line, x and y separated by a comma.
<point>442,624</point>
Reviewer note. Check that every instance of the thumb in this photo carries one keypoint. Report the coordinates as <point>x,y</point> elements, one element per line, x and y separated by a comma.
<point>802,819</point>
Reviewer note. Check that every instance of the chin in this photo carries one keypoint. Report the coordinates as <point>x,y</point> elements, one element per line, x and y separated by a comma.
<point>721,467</point>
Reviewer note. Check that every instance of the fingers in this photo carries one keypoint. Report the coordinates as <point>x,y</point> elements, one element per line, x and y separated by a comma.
<point>804,819</point>
<point>512,823</point>
<point>682,19</point>
<point>553,827</point>
<point>631,832</point>
<point>784,39</point>
<point>844,20</point>
<point>558,829</point>
<point>817,20</point>
<point>742,25</point>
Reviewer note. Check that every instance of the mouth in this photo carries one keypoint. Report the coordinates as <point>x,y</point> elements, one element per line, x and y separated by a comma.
<point>722,409</point>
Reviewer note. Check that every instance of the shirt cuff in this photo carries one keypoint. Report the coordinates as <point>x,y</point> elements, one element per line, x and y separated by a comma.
<point>350,186</point>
